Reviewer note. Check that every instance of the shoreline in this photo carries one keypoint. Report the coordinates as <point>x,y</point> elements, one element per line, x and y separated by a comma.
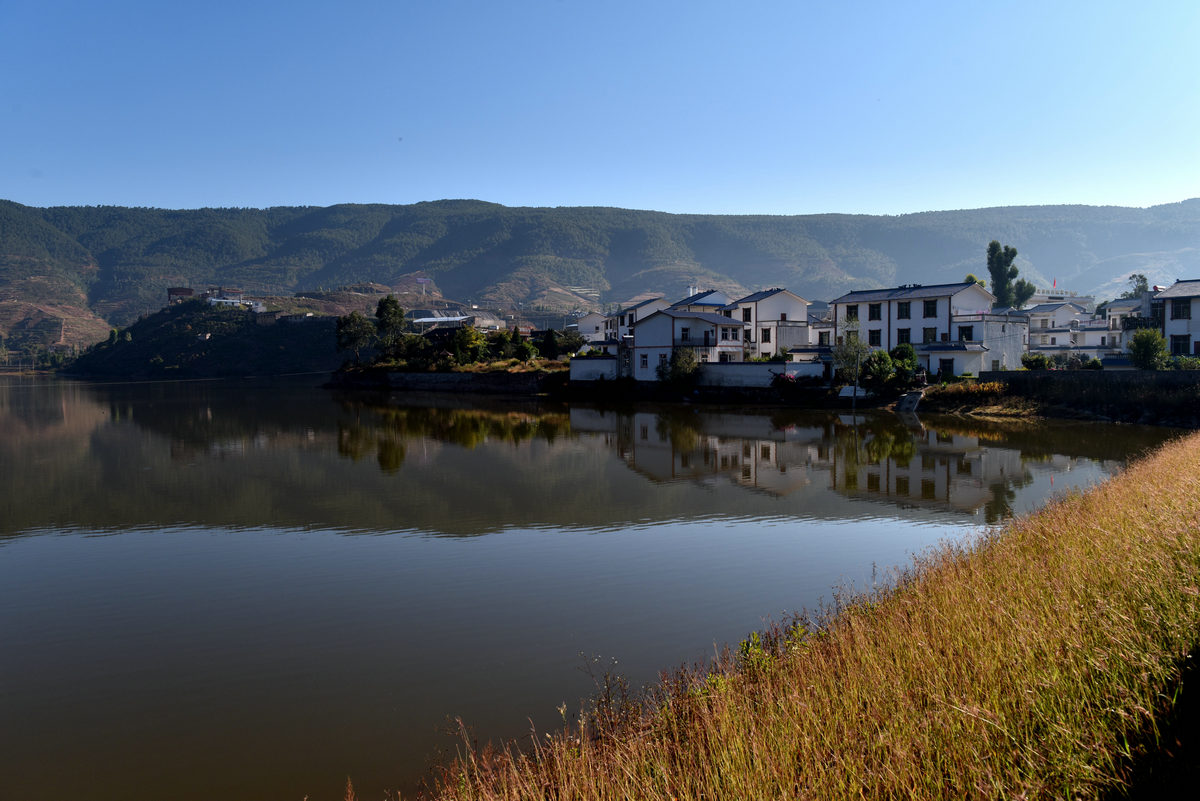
<point>1042,660</point>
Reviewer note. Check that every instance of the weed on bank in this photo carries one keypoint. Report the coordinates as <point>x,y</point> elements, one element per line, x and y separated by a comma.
<point>1021,666</point>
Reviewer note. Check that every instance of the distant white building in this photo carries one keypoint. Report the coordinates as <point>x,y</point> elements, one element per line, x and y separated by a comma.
<point>590,326</point>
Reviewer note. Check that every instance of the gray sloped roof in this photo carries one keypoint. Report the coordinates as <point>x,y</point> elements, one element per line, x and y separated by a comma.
<point>699,299</point>
<point>906,292</point>
<point>1189,288</point>
<point>707,317</point>
<point>754,297</point>
<point>1046,308</point>
<point>942,347</point>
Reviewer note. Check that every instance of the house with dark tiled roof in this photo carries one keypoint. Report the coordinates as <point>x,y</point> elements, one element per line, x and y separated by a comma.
<point>950,326</point>
<point>712,337</point>
<point>774,319</point>
<point>617,325</point>
<point>1181,317</point>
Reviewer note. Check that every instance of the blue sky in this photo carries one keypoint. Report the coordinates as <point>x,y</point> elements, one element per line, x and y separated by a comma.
<point>751,107</point>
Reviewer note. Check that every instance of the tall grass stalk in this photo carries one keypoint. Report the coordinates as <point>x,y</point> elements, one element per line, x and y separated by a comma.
<point>1021,666</point>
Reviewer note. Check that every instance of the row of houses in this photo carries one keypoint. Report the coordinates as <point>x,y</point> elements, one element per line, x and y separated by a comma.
<point>954,328</point>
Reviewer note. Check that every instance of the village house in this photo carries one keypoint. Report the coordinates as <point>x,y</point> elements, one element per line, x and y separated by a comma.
<point>617,325</point>
<point>710,336</point>
<point>950,326</point>
<point>590,326</point>
<point>773,320</point>
<point>1181,317</point>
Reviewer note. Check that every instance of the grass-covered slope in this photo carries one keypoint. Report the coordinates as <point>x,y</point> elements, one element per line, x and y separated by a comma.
<point>1023,666</point>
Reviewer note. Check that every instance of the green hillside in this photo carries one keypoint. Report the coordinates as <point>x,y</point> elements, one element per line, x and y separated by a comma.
<point>95,267</point>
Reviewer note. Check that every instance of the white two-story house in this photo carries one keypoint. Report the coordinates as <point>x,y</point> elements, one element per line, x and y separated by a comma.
<point>713,338</point>
<point>617,326</point>
<point>949,325</point>
<point>774,319</point>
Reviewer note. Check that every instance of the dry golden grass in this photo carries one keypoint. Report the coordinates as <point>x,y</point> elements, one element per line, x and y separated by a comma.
<point>1022,666</point>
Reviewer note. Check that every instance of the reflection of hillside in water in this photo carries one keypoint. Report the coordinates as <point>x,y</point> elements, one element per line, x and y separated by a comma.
<point>901,461</point>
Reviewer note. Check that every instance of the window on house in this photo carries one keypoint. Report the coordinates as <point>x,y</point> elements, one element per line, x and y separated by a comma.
<point>874,337</point>
<point>966,333</point>
<point>903,335</point>
<point>851,336</point>
<point>928,489</point>
<point>1053,340</point>
<point>1180,343</point>
<point>782,317</point>
<point>928,335</point>
<point>645,361</point>
<point>904,310</point>
<point>766,335</point>
<point>946,367</point>
<point>745,315</point>
<point>873,482</point>
<point>1045,323</point>
<point>729,313</point>
<point>662,360</point>
<point>733,334</point>
<point>1103,341</point>
<point>874,311</point>
<point>685,334</point>
<point>930,308</point>
<point>724,334</point>
<point>622,319</point>
<point>852,312</point>
<point>995,365</point>
<point>823,339</point>
<point>1181,308</point>
<point>902,485</point>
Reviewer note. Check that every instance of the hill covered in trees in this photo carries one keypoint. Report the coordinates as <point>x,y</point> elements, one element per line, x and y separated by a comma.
<point>81,270</point>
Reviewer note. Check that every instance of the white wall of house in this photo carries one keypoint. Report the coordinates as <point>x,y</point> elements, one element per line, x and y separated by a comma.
<point>617,326</point>
<point>591,327</point>
<point>714,338</point>
<point>1181,325</point>
<point>752,374</point>
<point>1060,316</point>
<point>594,369</point>
<point>884,324</point>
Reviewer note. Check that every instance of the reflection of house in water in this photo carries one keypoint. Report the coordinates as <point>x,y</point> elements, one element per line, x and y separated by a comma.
<point>878,460</point>
<point>747,450</point>
<point>943,470</point>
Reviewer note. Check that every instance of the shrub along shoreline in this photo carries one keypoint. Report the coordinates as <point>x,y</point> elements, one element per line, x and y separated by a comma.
<point>1030,663</point>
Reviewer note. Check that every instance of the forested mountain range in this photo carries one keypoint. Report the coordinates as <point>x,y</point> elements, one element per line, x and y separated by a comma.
<point>94,267</point>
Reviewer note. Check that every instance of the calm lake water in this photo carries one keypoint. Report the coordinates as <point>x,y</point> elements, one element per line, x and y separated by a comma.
<point>251,590</point>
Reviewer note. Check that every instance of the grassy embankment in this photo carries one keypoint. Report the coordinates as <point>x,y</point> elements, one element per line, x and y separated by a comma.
<point>1029,664</point>
<point>1141,399</point>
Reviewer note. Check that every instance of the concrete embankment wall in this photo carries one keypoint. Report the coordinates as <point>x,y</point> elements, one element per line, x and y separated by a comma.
<point>475,383</point>
<point>720,374</point>
<point>1041,380</point>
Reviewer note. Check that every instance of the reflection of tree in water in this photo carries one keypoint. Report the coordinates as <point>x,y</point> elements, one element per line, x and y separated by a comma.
<point>680,429</point>
<point>383,431</point>
<point>1000,506</point>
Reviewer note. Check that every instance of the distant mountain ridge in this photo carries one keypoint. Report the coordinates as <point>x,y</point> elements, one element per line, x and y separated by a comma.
<point>93,267</point>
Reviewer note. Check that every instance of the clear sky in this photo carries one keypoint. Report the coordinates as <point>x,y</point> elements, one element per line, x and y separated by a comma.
<point>796,107</point>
